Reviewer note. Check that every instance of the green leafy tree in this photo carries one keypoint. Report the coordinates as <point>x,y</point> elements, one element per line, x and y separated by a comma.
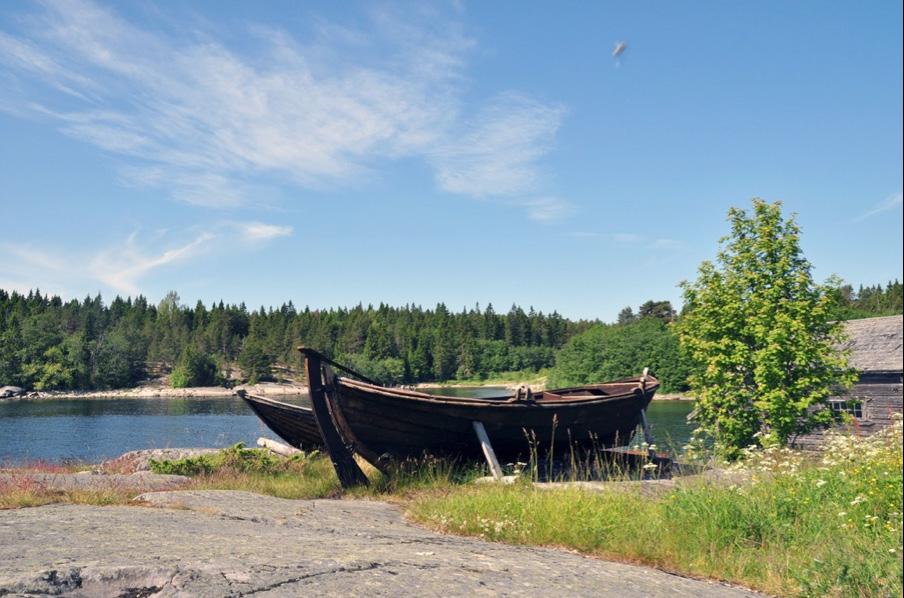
<point>657,309</point>
<point>609,352</point>
<point>761,336</point>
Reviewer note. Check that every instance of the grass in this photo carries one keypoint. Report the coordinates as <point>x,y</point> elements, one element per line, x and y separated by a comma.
<point>796,524</point>
<point>19,490</point>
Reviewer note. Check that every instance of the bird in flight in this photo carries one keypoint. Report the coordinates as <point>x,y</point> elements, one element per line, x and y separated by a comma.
<point>619,49</point>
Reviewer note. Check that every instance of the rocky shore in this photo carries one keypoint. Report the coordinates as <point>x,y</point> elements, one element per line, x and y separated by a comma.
<point>156,390</point>
<point>229,543</point>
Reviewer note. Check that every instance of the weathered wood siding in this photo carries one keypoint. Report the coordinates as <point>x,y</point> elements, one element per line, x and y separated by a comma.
<point>881,395</point>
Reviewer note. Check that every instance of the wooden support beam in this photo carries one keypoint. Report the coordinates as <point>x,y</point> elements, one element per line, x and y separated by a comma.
<point>344,463</point>
<point>647,431</point>
<point>488,451</point>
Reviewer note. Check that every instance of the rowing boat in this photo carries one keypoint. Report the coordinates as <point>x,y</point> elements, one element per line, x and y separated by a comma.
<point>352,414</point>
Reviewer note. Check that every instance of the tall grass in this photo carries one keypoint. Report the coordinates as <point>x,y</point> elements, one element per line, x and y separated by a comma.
<point>311,475</point>
<point>797,525</point>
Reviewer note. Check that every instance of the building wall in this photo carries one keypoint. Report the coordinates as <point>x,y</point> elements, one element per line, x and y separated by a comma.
<point>881,396</point>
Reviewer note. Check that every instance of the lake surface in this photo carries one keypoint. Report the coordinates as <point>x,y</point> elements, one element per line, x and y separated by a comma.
<point>93,430</point>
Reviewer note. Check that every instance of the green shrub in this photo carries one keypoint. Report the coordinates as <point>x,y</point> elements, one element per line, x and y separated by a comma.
<point>236,458</point>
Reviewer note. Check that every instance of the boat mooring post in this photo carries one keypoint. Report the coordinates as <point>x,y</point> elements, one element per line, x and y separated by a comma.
<point>343,461</point>
<point>488,451</point>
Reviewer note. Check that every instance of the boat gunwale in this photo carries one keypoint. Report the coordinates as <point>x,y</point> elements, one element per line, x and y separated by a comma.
<point>264,399</point>
<point>504,401</point>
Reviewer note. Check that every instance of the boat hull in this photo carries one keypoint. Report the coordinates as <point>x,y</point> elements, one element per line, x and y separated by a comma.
<point>295,424</point>
<point>405,426</point>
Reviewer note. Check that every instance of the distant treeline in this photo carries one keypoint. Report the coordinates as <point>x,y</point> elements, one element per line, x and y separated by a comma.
<point>868,302</point>
<point>48,343</point>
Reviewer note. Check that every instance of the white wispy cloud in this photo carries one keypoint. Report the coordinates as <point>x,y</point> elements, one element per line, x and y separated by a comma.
<point>205,122</point>
<point>546,209</point>
<point>890,203</point>
<point>668,243</point>
<point>259,231</point>
<point>498,152</point>
<point>630,239</point>
<point>123,266</point>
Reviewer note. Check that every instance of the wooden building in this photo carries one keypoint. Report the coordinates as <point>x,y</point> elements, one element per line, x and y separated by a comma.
<point>876,352</point>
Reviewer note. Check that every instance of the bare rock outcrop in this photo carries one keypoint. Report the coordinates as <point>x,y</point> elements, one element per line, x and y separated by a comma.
<point>222,543</point>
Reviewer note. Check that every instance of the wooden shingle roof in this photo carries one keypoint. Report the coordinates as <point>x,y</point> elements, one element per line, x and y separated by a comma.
<point>876,344</point>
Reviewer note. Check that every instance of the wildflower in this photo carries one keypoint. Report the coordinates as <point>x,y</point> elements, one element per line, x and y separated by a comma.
<point>842,514</point>
<point>650,466</point>
<point>859,499</point>
<point>820,483</point>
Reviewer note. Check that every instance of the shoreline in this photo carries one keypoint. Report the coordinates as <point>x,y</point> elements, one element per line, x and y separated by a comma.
<point>165,392</point>
<point>159,391</point>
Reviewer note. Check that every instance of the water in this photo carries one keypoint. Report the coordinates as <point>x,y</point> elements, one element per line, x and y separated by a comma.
<point>668,420</point>
<point>92,430</point>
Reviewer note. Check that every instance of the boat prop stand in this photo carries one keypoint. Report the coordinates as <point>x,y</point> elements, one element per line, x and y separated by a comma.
<point>488,451</point>
<point>647,431</point>
<point>344,463</point>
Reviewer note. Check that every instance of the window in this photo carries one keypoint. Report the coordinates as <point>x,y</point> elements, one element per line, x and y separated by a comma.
<point>852,407</point>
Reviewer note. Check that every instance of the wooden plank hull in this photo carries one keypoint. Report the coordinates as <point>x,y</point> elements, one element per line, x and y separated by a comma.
<point>404,424</point>
<point>293,423</point>
<point>409,424</point>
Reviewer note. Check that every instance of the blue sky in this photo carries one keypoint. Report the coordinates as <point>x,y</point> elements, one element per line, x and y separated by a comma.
<point>336,153</point>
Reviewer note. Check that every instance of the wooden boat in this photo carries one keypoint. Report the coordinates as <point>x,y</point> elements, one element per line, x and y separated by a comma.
<point>295,424</point>
<point>378,422</point>
<point>407,423</point>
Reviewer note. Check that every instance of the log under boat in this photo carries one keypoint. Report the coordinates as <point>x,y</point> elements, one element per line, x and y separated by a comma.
<point>377,421</point>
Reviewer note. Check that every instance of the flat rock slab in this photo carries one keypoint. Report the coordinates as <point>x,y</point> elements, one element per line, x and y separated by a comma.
<point>223,543</point>
<point>142,481</point>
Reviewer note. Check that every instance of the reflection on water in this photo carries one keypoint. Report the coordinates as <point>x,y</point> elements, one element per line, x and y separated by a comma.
<point>92,430</point>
